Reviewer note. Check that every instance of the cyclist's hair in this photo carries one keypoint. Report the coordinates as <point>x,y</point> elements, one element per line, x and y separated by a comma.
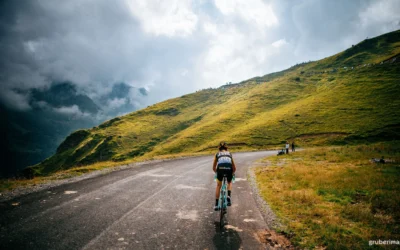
<point>222,146</point>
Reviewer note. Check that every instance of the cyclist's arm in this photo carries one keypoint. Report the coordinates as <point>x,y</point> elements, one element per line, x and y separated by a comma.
<point>233,166</point>
<point>215,165</point>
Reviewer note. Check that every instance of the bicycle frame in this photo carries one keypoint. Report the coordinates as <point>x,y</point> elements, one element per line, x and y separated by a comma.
<point>223,202</point>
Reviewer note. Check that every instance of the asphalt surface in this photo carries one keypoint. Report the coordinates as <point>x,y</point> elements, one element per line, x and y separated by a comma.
<point>165,205</point>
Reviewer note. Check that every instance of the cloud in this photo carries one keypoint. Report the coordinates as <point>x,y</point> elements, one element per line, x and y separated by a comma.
<point>279,43</point>
<point>116,103</point>
<point>169,18</point>
<point>326,28</point>
<point>383,16</point>
<point>73,111</point>
<point>41,105</point>
<point>238,42</point>
<point>230,56</point>
<point>255,12</point>
<point>14,100</point>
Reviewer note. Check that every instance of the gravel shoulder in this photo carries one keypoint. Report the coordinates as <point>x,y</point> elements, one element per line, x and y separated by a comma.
<point>269,216</point>
<point>270,236</point>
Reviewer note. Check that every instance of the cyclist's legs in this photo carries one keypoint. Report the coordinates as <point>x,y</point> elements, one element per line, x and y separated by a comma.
<point>229,179</point>
<point>229,186</point>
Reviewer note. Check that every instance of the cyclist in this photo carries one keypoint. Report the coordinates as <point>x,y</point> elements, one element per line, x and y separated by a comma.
<point>223,164</point>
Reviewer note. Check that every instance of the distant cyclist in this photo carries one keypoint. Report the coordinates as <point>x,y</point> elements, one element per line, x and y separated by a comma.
<point>223,164</point>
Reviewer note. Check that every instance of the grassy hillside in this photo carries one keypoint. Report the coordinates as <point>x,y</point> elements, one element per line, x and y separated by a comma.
<point>351,96</point>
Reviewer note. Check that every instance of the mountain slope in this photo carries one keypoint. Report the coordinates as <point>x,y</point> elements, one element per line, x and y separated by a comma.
<point>351,96</point>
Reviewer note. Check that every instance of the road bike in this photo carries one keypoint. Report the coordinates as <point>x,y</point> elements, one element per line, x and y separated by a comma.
<point>223,202</point>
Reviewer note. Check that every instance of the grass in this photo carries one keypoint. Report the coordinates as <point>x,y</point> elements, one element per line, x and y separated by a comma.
<point>334,196</point>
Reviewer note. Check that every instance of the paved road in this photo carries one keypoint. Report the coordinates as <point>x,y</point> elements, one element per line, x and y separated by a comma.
<point>165,205</point>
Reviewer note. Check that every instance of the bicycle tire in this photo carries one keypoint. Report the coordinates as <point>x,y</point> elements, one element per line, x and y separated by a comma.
<point>221,217</point>
<point>222,204</point>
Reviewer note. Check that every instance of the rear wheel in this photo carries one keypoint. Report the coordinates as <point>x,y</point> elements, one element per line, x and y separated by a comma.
<point>221,212</point>
<point>222,198</point>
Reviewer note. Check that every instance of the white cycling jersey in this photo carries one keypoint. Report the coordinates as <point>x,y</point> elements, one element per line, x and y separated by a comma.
<point>224,157</point>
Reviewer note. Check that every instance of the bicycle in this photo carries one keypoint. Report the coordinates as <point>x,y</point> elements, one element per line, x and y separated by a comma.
<point>223,202</point>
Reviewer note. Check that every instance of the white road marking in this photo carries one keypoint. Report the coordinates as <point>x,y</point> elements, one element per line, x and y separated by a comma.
<point>70,192</point>
<point>156,175</point>
<point>233,228</point>
<point>181,186</point>
<point>240,179</point>
<point>188,215</point>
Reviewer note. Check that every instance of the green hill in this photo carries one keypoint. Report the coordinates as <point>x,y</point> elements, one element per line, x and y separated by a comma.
<point>350,97</point>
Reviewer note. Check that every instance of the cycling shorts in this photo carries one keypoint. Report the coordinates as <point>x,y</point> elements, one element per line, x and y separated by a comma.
<point>224,169</point>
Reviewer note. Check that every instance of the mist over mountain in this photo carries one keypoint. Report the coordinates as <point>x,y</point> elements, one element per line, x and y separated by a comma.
<point>29,136</point>
<point>63,96</point>
<point>122,99</point>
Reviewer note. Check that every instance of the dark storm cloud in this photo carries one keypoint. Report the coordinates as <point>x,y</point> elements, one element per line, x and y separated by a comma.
<point>91,45</point>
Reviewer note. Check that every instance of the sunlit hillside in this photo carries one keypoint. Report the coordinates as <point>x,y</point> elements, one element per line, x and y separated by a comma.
<point>350,97</point>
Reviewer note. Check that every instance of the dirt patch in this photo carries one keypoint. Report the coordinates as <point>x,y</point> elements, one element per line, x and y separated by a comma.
<point>274,240</point>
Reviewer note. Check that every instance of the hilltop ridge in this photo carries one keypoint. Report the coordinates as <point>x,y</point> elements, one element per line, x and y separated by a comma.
<point>348,97</point>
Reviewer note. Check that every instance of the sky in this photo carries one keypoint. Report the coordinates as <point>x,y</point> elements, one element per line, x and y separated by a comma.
<point>171,47</point>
